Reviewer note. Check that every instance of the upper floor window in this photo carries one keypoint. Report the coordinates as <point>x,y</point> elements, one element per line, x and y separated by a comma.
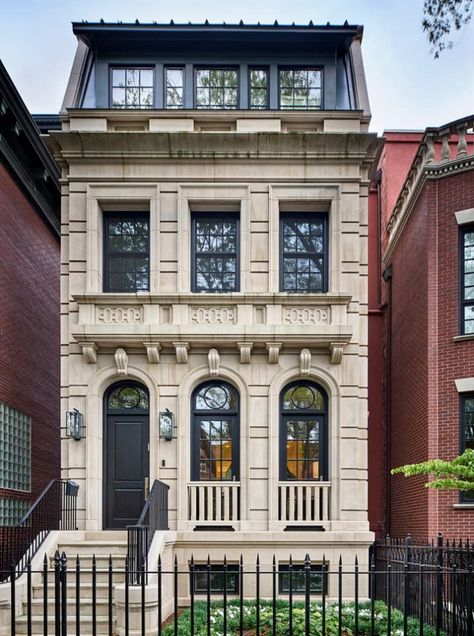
<point>467,280</point>
<point>258,88</point>
<point>467,431</point>
<point>132,88</point>
<point>300,88</point>
<point>215,252</point>
<point>303,261</point>
<point>174,97</point>
<point>217,88</point>
<point>126,252</point>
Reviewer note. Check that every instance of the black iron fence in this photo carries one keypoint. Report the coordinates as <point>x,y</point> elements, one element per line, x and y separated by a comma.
<point>258,599</point>
<point>55,509</point>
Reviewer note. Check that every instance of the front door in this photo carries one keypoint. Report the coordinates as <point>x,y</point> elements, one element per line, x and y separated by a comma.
<point>126,464</point>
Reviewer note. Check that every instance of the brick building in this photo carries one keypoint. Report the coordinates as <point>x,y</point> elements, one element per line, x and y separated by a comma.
<point>422,213</point>
<point>29,314</point>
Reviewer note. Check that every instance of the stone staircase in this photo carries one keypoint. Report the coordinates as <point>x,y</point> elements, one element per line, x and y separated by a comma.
<point>102,545</point>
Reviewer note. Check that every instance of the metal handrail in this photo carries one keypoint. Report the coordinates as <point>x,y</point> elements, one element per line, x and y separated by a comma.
<point>54,509</point>
<point>154,517</point>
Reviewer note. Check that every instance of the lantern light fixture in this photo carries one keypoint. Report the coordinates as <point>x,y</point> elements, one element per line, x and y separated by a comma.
<point>167,425</point>
<point>75,425</point>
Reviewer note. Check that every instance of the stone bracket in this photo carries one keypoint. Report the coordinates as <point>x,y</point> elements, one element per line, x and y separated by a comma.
<point>337,350</point>
<point>214,360</point>
<point>153,351</point>
<point>182,349</point>
<point>121,360</point>
<point>273,352</point>
<point>305,361</point>
<point>89,351</point>
<point>245,349</point>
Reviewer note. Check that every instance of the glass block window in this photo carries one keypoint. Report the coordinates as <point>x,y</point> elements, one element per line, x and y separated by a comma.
<point>297,579</point>
<point>300,88</point>
<point>258,88</point>
<point>216,578</point>
<point>467,432</point>
<point>217,88</point>
<point>303,262</point>
<point>126,252</point>
<point>174,97</point>
<point>215,257</point>
<point>15,449</point>
<point>132,88</point>
<point>467,280</point>
<point>12,510</point>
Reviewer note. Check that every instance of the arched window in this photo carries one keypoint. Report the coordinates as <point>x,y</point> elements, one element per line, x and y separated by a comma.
<point>303,432</point>
<point>215,432</point>
<point>125,396</point>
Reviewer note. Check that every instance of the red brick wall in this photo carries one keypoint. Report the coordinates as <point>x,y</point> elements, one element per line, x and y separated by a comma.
<point>29,327</point>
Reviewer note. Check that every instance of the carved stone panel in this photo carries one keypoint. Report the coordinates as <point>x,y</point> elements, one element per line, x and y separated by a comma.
<point>306,315</point>
<point>214,315</point>
<point>120,315</point>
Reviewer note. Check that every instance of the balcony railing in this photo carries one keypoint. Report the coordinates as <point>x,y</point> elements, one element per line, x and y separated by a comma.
<point>214,502</point>
<point>304,502</point>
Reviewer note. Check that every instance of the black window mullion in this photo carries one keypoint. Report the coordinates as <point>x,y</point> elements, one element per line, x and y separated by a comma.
<point>125,261</point>
<point>215,256</point>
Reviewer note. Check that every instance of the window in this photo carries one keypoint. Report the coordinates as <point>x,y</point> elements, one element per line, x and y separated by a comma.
<point>215,254</point>
<point>217,88</point>
<point>132,88</point>
<point>12,510</point>
<point>303,262</point>
<point>126,252</point>
<point>126,396</point>
<point>467,432</point>
<point>467,280</point>
<point>297,579</point>
<point>215,432</point>
<point>303,436</point>
<point>258,88</point>
<point>15,449</point>
<point>216,578</point>
<point>174,97</point>
<point>300,88</point>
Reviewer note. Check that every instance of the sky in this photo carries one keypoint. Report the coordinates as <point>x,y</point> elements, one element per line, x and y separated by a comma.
<point>408,88</point>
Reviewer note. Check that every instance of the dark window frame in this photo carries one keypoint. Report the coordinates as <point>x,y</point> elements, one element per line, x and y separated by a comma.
<point>107,217</point>
<point>305,216</point>
<point>303,414</point>
<point>200,414</point>
<point>466,229</point>
<point>249,87</point>
<point>138,67</point>
<point>215,67</point>
<point>232,571</point>
<point>302,67</point>
<point>174,67</point>
<point>284,569</point>
<point>215,216</point>
<point>463,497</point>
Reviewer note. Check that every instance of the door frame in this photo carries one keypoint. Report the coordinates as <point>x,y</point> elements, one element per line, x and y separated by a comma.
<point>105,413</point>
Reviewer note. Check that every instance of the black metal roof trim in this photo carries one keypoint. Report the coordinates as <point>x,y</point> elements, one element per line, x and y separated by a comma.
<point>47,122</point>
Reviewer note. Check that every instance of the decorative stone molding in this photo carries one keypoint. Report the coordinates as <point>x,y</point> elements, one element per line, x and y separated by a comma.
<point>337,350</point>
<point>245,349</point>
<point>305,361</point>
<point>120,315</point>
<point>214,360</point>
<point>182,349</point>
<point>306,316</point>
<point>465,216</point>
<point>213,315</point>
<point>121,360</point>
<point>464,385</point>
<point>89,351</point>
<point>273,352</point>
<point>153,352</point>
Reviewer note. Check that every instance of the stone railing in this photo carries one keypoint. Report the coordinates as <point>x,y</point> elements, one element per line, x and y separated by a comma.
<point>304,502</point>
<point>216,502</point>
<point>449,147</point>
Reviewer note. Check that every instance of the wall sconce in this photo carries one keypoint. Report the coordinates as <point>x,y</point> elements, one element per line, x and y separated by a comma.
<point>75,425</point>
<point>167,425</point>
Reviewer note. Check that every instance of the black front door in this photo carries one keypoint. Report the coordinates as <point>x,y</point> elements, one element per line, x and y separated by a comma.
<point>127,468</point>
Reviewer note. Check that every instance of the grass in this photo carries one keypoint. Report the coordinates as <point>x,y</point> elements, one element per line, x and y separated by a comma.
<point>298,615</point>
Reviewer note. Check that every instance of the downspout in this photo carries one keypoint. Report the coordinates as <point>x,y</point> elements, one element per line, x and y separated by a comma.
<point>387,276</point>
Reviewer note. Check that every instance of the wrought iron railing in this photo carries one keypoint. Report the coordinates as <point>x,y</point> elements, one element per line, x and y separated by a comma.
<point>55,509</point>
<point>139,537</point>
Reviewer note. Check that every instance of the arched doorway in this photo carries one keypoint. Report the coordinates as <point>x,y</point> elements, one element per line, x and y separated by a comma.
<point>126,453</point>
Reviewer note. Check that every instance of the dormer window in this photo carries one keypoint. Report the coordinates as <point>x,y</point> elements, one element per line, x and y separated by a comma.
<point>300,88</point>
<point>132,88</point>
<point>217,88</point>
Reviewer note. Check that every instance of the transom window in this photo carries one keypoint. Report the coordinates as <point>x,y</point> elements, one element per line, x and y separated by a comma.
<point>215,432</point>
<point>126,252</point>
<point>132,88</point>
<point>467,432</point>
<point>467,280</point>
<point>215,257</point>
<point>300,88</point>
<point>303,434</point>
<point>217,88</point>
<point>258,85</point>
<point>174,97</point>
<point>303,263</point>
<point>127,396</point>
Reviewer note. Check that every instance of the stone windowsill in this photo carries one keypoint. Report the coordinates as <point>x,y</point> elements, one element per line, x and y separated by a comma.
<point>469,336</point>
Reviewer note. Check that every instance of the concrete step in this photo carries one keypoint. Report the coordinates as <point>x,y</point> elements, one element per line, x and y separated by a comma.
<point>85,560</point>
<point>102,590</point>
<point>85,605</point>
<point>93,547</point>
<point>37,628</point>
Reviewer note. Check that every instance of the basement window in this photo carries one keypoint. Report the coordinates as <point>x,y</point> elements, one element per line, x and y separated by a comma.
<point>216,577</point>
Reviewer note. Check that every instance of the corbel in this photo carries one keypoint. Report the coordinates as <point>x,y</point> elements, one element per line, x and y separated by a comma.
<point>153,351</point>
<point>336,349</point>
<point>181,349</point>
<point>305,361</point>
<point>121,360</point>
<point>245,349</point>
<point>273,351</point>
<point>214,360</point>
<point>89,351</point>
